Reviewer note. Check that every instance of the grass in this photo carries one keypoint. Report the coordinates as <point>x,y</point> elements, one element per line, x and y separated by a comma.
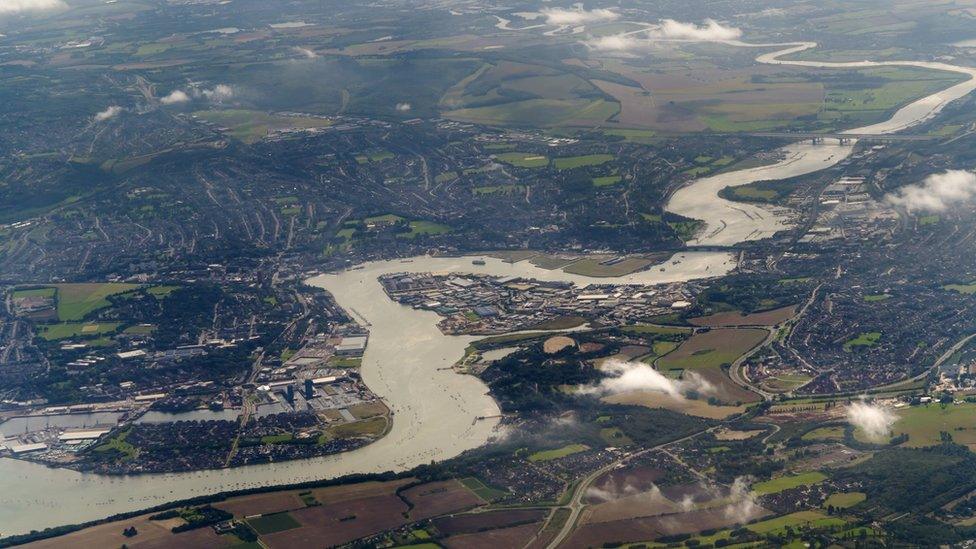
<point>812,519</point>
<point>540,113</point>
<point>65,330</point>
<point>866,339</point>
<point>877,297</point>
<point>556,453</point>
<point>345,362</point>
<point>269,524</point>
<point>482,490</point>
<point>418,228</point>
<point>924,424</point>
<point>119,445</point>
<point>606,180</point>
<point>524,160</point>
<point>571,162</point>
<point>34,292</point>
<point>844,500</point>
<point>644,329</point>
<point>377,155</point>
<point>369,427</point>
<point>159,292</point>
<point>76,301</point>
<point>283,438</point>
<point>968,289</point>
<point>251,126</point>
<point>784,483</point>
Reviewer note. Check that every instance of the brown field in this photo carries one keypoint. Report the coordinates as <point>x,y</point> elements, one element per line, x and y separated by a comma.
<point>151,534</point>
<point>705,353</point>
<point>516,536</point>
<point>368,409</point>
<point>654,399</point>
<point>732,318</point>
<point>557,343</point>
<point>729,434</point>
<point>643,529</point>
<point>261,504</point>
<point>645,504</point>
<point>478,522</point>
<point>341,522</point>
<point>637,106</point>
<point>438,498</point>
<point>639,478</point>
<point>336,494</point>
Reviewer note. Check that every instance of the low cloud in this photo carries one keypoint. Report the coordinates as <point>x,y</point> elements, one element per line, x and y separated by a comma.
<point>176,96</point>
<point>623,377</point>
<point>108,113</point>
<point>938,193</point>
<point>403,107</point>
<point>743,506</point>
<point>219,93</point>
<point>616,42</point>
<point>611,491</point>
<point>309,54</point>
<point>873,420</point>
<point>563,17</point>
<point>711,31</point>
<point>8,7</point>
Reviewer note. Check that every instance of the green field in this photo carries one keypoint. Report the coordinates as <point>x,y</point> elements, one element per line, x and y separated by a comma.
<point>834,432</point>
<point>64,330</point>
<point>924,424</point>
<point>482,490</point>
<point>377,155</point>
<point>556,453</point>
<point>606,180</point>
<point>967,289</point>
<point>784,483</point>
<point>812,519</point>
<point>540,113</point>
<point>866,339</point>
<point>570,162</point>
<point>641,329</point>
<point>76,301</point>
<point>34,292</point>
<point>877,297</point>
<point>844,500</point>
<point>269,524</point>
<point>425,228</point>
<point>523,160</point>
<point>251,126</point>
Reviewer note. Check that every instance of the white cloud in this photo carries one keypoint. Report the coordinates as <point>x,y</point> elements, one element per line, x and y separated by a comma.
<point>873,420</point>
<point>24,6</point>
<point>219,93</point>
<point>938,193</point>
<point>309,54</point>
<point>108,113</point>
<point>563,17</point>
<point>743,506</point>
<point>625,377</point>
<point>616,42</point>
<point>711,31</point>
<point>176,96</point>
<point>403,107</point>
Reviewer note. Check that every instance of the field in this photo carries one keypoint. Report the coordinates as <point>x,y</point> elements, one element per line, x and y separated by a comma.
<point>789,482</point>
<point>734,318</point>
<point>543,113</point>
<point>571,162</point>
<point>923,424</point>
<point>706,353</point>
<point>251,126</point>
<point>523,160</point>
<point>835,433</point>
<point>418,228</point>
<point>269,524</point>
<point>549,455</point>
<point>844,500</point>
<point>814,519</point>
<point>76,301</point>
<point>477,522</point>
<point>968,289</point>
<point>481,489</point>
<point>64,330</point>
<point>515,536</point>
<point>651,329</point>
<point>606,180</point>
<point>656,399</point>
<point>34,292</point>
<point>866,339</point>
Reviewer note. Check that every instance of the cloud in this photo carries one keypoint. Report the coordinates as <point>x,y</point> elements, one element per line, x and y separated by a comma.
<point>403,107</point>
<point>743,506</point>
<point>219,93</point>
<point>176,96</point>
<point>309,54</point>
<point>938,193</point>
<point>562,17</point>
<point>711,31</point>
<point>616,42</point>
<point>611,491</point>
<point>873,420</point>
<point>625,377</point>
<point>26,6</point>
<point>108,113</point>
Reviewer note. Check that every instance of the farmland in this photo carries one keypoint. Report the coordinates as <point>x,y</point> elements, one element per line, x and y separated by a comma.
<point>706,353</point>
<point>788,482</point>
<point>924,424</point>
<point>76,301</point>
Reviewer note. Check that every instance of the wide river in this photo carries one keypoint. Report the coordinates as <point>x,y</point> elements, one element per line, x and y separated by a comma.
<point>407,360</point>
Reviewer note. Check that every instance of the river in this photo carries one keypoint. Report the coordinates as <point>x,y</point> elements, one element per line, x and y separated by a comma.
<point>405,361</point>
<point>434,408</point>
<point>728,223</point>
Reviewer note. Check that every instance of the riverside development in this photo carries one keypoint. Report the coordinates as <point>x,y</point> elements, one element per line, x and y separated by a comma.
<point>532,276</point>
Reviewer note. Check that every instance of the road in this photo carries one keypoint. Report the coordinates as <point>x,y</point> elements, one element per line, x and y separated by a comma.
<point>576,504</point>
